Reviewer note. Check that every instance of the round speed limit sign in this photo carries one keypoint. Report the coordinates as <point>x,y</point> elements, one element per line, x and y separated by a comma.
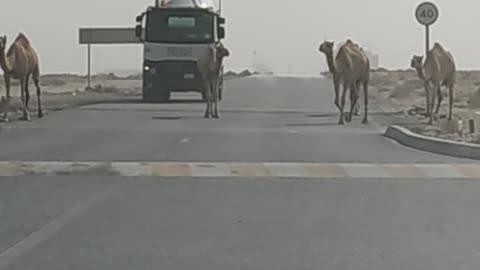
<point>426,13</point>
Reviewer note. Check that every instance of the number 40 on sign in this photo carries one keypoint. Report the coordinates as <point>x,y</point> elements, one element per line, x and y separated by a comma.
<point>426,13</point>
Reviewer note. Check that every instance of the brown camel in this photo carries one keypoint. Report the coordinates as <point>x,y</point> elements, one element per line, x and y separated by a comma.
<point>438,69</point>
<point>20,62</point>
<point>209,66</point>
<point>352,67</point>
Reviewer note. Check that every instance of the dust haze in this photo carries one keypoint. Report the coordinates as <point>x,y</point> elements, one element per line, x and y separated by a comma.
<point>277,35</point>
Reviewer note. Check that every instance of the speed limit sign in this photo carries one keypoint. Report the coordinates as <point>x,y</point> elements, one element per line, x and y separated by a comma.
<point>426,13</point>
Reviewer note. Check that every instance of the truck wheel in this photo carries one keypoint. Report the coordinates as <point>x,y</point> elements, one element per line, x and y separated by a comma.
<point>164,96</point>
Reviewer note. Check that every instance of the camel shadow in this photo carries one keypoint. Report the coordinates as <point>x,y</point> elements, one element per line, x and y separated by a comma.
<point>320,115</point>
<point>311,124</point>
<point>174,101</point>
<point>168,118</point>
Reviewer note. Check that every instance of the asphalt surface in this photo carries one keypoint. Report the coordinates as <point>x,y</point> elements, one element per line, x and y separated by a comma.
<point>102,221</point>
<point>262,119</point>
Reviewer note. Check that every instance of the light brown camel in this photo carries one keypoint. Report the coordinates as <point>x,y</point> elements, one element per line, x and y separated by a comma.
<point>350,67</point>
<point>20,62</point>
<point>209,66</point>
<point>438,69</point>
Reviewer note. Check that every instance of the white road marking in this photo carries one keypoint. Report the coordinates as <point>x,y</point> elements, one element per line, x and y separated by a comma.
<point>185,140</point>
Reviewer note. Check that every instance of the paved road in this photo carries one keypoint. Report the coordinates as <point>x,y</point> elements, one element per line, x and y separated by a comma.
<point>100,220</point>
<point>262,119</point>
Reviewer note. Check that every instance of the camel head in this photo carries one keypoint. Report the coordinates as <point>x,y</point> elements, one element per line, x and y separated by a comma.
<point>3,43</point>
<point>221,50</point>
<point>327,47</point>
<point>417,61</point>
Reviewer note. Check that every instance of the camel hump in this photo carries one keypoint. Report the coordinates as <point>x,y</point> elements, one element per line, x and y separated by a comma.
<point>22,38</point>
<point>437,46</point>
<point>349,42</point>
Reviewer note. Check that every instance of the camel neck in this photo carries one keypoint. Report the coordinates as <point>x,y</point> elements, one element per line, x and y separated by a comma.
<point>331,63</point>
<point>4,62</point>
<point>420,73</point>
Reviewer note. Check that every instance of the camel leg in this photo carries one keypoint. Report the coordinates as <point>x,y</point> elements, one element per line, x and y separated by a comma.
<point>7,84</point>
<point>36,81</point>
<point>353,102</point>
<point>342,104</point>
<point>439,99</point>
<point>215,105</point>
<point>336,89</point>
<point>26,115</point>
<point>427,99</point>
<point>209,100</point>
<point>365,102</point>
<point>27,92</point>
<point>215,99</point>
<point>450,101</point>
<point>7,98</point>
<point>357,107</point>
<point>432,104</point>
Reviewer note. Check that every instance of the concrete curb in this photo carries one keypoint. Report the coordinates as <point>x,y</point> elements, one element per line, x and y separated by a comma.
<point>434,145</point>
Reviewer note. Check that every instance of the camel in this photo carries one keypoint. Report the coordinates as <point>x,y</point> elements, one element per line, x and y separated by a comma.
<point>352,67</point>
<point>209,66</point>
<point>438,69</point>
<point>20,62</point>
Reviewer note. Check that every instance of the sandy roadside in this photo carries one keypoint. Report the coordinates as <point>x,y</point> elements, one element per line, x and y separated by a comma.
<point>402,91</point>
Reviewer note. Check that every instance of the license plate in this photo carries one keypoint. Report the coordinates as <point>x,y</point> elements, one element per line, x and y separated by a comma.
<point>188,76</point>
<point>179,52</point>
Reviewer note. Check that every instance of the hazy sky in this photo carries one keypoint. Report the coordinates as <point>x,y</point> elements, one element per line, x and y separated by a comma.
<point>284,33</point>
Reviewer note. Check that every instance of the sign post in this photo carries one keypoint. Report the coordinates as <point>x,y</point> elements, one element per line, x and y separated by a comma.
<point>427,14</point>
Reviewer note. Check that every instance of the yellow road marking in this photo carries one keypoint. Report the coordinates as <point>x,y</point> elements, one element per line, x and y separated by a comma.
<point>324,170</point>
<point>469,170</point>
<point>403,170</point>
<point>249,170</point>
<point>170,169</point>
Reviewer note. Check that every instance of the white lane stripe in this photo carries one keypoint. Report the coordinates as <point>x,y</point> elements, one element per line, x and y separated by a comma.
<point>364,170</point>
<point>131,169</point>
<point>19,249</point>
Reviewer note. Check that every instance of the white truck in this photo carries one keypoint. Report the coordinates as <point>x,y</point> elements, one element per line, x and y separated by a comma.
<point>175,33</point>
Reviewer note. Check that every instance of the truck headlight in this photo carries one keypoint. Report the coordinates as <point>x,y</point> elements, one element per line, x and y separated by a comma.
<point>149,69</point>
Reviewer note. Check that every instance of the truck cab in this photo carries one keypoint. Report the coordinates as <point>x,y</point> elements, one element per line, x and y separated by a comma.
<point>175,34</point>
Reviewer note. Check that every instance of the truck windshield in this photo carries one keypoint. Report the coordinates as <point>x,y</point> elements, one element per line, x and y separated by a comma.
<point>179,26</point>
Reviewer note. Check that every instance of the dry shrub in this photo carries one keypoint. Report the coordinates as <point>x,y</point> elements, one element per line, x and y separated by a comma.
<point>53,82</point>
<point>385,89</point>
<point>403,89</point>
<point>450,127</point>
<point>103,89</point>
<point>474,100</point>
